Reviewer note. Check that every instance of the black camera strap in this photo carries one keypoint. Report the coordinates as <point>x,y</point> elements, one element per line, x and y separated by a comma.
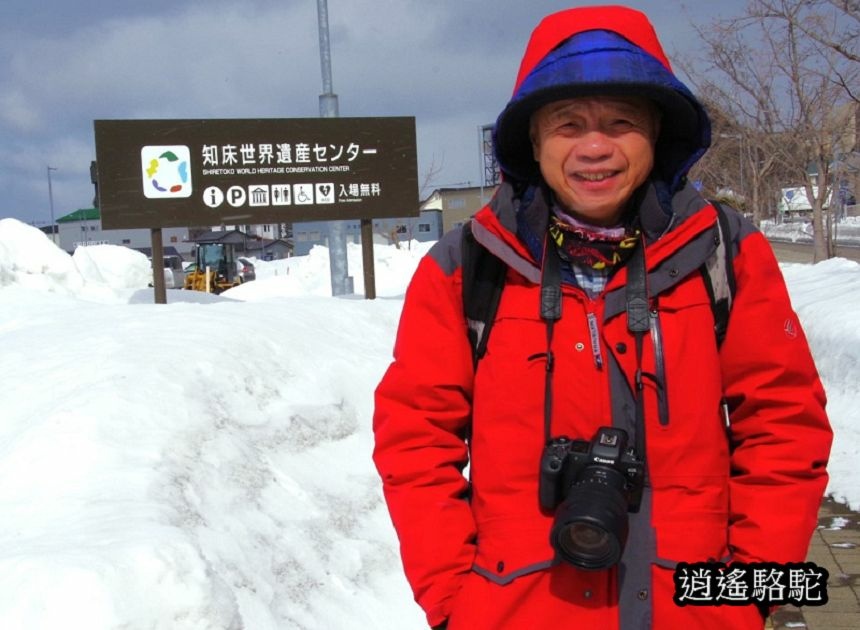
<point>550,312</point>
<point>638,323</point>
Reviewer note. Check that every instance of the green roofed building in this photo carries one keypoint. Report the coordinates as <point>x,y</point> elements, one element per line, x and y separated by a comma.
<point>83,214</point>
<point>83,227</point>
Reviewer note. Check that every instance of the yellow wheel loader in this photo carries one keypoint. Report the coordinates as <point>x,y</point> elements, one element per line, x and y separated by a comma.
<point>214,270</point>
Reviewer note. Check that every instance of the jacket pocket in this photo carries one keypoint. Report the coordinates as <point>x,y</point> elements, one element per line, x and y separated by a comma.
<point>700,539</point>
<point>508,549</point>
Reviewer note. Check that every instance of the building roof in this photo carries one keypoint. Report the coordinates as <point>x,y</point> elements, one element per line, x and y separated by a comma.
<point>459,189</point>
<point>82,214</point>
<point>264,244</point>
<point>440,196</point>
<point>229,236</point>
<point>167,251</point>
<point>456,190</point>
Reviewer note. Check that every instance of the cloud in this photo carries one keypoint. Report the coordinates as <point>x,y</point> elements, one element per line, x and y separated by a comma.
<point>222,61</point>
<point>449,64</point>
<point>17,112</point>
<point>193,64</point>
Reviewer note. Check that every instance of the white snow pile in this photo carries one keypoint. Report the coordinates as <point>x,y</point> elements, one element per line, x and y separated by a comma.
<point>28,258</point>
<point>206,464</point>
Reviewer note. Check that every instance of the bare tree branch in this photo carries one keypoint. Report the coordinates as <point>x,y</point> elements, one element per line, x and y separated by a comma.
<point>431,175</point>
<point>773,79</point>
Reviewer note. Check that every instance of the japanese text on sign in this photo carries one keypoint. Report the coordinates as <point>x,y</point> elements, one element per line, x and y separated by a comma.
<point>282,153</point>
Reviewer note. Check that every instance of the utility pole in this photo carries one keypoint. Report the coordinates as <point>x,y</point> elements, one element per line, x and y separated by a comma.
<point>329,109</point>
<point>51,203</point>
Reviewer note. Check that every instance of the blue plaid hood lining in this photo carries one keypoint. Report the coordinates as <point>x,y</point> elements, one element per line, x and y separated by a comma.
<point>602,62</point>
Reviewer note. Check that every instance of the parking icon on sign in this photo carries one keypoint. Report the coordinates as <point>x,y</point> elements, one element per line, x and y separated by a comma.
<point>236,196</point>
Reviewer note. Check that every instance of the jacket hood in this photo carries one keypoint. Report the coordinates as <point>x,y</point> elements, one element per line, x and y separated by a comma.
<point>610,51</point>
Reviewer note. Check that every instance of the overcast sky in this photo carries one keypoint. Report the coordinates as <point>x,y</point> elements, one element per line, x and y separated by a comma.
<point>449,63</point>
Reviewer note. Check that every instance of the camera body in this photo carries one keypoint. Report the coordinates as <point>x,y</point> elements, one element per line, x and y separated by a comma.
<point>592,485</point>
<point>567,462</point>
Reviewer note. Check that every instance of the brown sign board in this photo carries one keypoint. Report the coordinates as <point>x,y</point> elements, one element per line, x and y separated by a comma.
<point>182,173</point>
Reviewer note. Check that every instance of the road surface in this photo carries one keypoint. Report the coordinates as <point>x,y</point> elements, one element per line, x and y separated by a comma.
<point>787,252</point>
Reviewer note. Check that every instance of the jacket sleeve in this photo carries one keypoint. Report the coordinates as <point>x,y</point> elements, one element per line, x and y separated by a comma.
<point>779,432</point>
<point>422,409</point>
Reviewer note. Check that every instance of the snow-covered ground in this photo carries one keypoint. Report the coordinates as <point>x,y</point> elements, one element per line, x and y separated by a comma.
<point>206,464</point>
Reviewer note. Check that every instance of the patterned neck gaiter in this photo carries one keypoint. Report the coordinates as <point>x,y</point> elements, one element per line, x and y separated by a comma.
<point>592,245</point>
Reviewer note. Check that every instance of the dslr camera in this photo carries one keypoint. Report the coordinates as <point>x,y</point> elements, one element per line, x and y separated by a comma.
<point>591,485</point>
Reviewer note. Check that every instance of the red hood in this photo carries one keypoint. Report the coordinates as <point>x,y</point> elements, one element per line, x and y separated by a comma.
<point>556,28</point>
<point>607,51</point>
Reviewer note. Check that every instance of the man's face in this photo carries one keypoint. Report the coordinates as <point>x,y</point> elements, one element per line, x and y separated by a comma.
<point>595,151</point>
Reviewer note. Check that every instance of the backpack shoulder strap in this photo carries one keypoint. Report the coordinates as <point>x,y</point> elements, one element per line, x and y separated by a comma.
<point>718,273</point>
<point>483,281</point>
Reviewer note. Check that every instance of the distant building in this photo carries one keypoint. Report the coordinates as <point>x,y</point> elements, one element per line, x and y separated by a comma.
<point>425,227</point>
<point>49,230</point>
<point>271,231</point>
<point>245,244</point>
<point>269,249</point>
<point>443,210</point>
<point>456,205</point>
<point>795,205</point>
<point>83,227</point>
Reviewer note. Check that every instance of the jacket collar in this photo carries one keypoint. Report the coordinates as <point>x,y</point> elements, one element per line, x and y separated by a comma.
<point>665,220</point>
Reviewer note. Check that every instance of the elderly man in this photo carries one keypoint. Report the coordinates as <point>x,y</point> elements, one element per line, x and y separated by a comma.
<point>610,433</point>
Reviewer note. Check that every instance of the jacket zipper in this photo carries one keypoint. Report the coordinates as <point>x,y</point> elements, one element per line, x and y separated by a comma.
<point>594,336</point>
<point>659,367</point>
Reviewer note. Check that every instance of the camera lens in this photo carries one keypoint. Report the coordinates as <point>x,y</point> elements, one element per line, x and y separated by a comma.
<point>590,527</point>
<point>585,537</point>
<point>587,546</point>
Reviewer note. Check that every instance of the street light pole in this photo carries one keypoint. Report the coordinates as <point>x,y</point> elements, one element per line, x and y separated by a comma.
<point>329,109</point>
<point>51,203</point>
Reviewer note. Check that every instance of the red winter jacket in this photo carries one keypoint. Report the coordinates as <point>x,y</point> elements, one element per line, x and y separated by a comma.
<point>479,557</point>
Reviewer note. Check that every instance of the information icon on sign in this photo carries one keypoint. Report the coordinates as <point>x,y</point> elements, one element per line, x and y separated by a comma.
<point>213,196</point>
